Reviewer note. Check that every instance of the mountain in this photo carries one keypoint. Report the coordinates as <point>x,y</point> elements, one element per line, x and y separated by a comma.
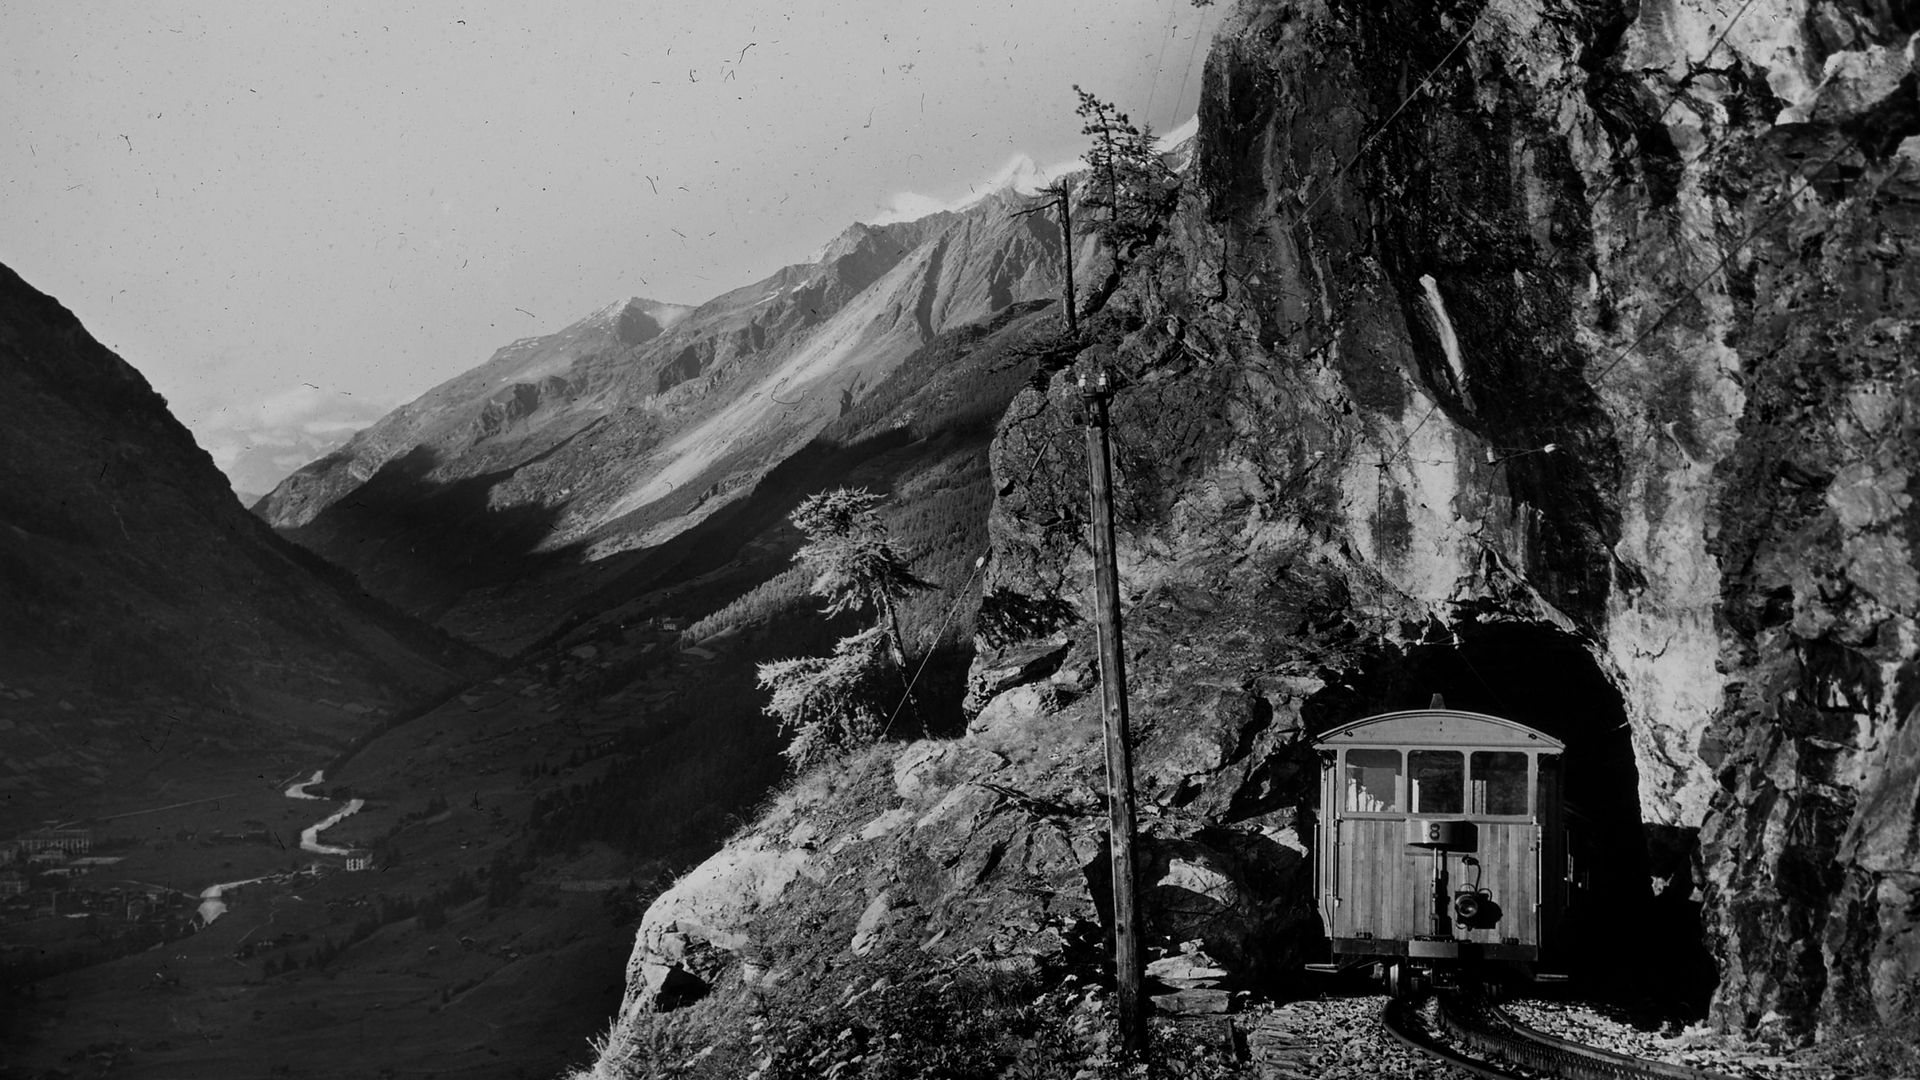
<point>524,822</point>
<point>153,634</point>
<point>1575,385</point>
<point>641,420</point>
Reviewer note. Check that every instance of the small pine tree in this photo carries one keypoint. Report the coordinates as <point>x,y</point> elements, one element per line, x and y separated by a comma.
<point>1131,190</point>
<point>831,705</point>
<point>855,566</point>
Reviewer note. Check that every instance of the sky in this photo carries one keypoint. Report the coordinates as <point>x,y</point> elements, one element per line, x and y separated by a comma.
<point>293,217</point>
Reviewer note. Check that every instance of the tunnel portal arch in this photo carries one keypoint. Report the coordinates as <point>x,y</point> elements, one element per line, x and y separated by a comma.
<point>1643,934</point>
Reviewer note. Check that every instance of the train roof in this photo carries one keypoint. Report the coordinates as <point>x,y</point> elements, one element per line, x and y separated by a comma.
<point>1437,727</point>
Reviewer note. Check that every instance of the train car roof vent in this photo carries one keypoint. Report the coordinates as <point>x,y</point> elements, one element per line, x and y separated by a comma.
<point>1438,702</point>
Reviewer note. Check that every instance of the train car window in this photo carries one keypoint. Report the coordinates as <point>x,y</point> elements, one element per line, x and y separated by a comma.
<point>1373,781</point>
<point>1436,780</point>
<point>1499,782</point>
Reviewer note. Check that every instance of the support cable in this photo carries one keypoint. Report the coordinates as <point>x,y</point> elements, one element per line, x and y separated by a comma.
<point>951,608</point>
<point>1381,128</point>
<point>1188,71</point>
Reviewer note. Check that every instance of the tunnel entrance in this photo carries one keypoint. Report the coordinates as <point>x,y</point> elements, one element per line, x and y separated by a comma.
<point>1639,934</point>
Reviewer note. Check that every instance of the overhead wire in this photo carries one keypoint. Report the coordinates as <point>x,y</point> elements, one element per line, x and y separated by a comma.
<point>1722,263</point>
<point>1673,97</point>
<point>1365,144</point>
<point>1678,88</point>
<point>1381,128</point>
<point>1159,63</point>
<point>1690,292</point>
<point>1402,448</point>
<point>1188,71</point>
<point>1427,80</point>
<point>1460,647</point>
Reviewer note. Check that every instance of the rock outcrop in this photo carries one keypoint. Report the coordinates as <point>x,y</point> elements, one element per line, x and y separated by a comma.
<point>1557,357</point>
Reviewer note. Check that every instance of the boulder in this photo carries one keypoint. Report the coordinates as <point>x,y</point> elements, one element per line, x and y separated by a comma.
<point>1854,82</point>
<point>927,770</point>
<point>697,927</point>
<point>1229,895</point>
<point>1014,666</point>
<point>886,823</point>
<point>1189,969</point>
<point>872,922</point>
<point>666,986</point>
<point>1193,1002</point>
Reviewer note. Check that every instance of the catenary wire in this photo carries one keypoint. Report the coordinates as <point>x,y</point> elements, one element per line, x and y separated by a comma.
<point>1723,261</point>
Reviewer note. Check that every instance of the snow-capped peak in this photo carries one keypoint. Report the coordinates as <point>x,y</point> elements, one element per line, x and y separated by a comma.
<point>1020,175</point>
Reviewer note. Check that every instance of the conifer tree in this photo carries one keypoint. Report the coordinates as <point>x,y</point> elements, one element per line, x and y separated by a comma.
<point>1131,190</point>
<point>832,705</point>
<point>855,566</point>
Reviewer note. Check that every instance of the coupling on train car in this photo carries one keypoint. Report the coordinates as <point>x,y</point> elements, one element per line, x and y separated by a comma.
<point>1444,844</point>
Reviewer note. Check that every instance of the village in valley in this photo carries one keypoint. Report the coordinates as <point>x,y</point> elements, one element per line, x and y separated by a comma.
<point>464,865</point>
<point>67,900</point>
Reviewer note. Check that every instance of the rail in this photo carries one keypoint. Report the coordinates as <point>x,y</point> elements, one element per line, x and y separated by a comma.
<point>1398,1019</point>
<point>1503,1041</point>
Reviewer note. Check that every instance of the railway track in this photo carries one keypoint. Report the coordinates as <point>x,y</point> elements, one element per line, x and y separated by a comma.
<point>1508,1049</point>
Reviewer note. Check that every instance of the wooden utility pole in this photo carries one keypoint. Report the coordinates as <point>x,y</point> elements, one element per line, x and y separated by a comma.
<point>1060,193</point>
<point>1063,191</point>
<point>1129,971</point>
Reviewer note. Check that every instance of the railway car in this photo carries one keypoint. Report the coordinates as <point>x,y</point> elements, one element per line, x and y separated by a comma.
<point>1443,841</point>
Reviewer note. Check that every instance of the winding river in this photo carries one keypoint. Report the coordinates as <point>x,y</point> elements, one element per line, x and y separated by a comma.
<point>212,906</point>
<point>212,902</point>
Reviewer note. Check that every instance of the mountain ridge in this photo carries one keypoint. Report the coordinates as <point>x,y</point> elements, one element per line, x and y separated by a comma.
<point>139,594</point>
<point>582,445</point>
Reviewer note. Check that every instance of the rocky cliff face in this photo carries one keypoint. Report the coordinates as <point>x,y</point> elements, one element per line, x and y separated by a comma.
<point>149,626</point>
<point>1606,336</point>
<point>638,422</point>
<point>1557,357</point>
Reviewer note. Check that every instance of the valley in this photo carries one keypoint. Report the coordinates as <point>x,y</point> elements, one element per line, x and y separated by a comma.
<point>513,827</point>
<point>448,924</point>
